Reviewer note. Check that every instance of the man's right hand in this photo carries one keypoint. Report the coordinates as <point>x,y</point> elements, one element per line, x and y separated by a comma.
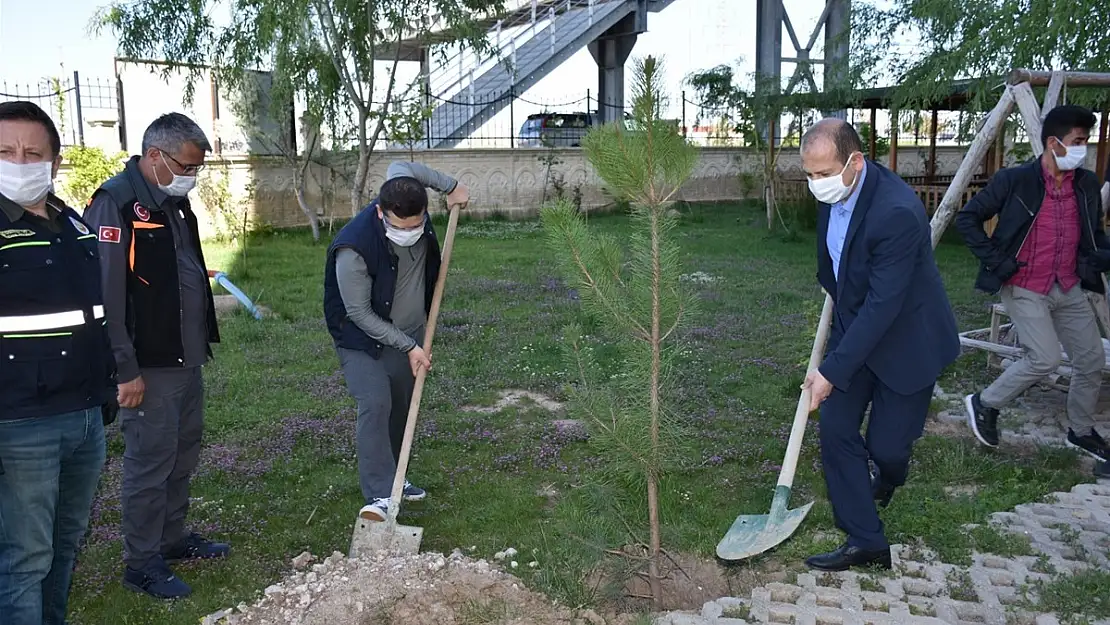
<point>419,358</point>
<point>131,393</point>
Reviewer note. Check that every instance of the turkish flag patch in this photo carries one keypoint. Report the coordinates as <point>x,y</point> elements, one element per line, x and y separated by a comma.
<point>108,234</point>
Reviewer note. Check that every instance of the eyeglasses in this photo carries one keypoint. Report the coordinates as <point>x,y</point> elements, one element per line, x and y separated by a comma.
<point>185,169</point>
<point>390,217</point>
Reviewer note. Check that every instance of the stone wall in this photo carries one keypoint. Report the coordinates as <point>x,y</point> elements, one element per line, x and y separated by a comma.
<point>510,182</point>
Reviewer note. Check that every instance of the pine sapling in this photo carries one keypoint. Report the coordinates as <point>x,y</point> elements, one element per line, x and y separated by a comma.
<point>640,299</point>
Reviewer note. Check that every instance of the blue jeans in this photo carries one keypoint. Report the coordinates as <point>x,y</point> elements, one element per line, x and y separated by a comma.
<point>51,466</point>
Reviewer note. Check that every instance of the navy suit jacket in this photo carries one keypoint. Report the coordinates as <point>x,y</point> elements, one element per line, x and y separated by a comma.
<point>892,313</point>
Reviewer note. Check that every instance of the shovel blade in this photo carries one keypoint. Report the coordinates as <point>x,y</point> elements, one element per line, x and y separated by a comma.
<point>752,534</point>
<point>373,537</point>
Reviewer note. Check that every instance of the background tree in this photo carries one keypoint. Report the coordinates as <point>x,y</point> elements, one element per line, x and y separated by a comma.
<point>641,300</point>
<point>324,52</point>
<point>920,46</point>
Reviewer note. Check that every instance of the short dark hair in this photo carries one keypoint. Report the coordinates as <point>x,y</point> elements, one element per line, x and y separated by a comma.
<point>21,110</point>
<point>843,136</point>
<point>403,196</point>
<point>1064,119</point>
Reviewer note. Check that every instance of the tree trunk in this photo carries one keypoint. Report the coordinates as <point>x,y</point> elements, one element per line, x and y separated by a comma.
<point>656,366</point>
<point>302,201</point>
<point>359,184</point>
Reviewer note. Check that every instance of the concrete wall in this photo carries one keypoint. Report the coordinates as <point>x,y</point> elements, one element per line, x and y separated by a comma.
<point>510,182</point>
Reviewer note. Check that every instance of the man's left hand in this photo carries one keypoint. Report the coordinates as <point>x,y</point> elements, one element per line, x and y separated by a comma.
<point>459,197</point>
<point>819,388</point>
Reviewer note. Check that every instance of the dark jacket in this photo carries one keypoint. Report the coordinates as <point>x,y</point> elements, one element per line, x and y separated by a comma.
<point>1015,195</point>
<point>892,313</point>
<point>365,234</point>
<point>140,268</point>
<point>54,351</point>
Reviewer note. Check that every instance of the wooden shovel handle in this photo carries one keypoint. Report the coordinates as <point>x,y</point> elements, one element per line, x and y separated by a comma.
<point>801,415</point>
<point>418,388</point>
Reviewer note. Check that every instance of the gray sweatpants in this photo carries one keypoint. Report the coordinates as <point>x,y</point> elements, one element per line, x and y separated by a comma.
<point>1044,323</point>
<point>382,389</point>
<point>162,439</point>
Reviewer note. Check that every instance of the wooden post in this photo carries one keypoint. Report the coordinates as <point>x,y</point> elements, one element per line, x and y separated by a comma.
<point>1031,113</point>
<point>1072,79</point>
<point>874,133</point>
<point>1052,94</point>
<point>931,168</point>
<point>894,141</point>
<point>954,195</point>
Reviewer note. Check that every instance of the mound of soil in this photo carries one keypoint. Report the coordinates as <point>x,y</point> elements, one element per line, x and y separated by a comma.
<point>426,589</point>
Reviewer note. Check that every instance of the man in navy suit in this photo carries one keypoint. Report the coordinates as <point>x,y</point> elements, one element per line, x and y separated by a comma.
<point>892,334</point>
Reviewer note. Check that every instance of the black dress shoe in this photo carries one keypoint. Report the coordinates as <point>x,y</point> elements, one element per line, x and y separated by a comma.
<point>848,556</point>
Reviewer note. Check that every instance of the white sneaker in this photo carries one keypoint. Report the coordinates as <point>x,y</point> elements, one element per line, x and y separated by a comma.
<point>377,510</point>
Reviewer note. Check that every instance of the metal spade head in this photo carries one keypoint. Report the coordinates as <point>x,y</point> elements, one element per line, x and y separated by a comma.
<point>752,534</point>
<point>371,537</point>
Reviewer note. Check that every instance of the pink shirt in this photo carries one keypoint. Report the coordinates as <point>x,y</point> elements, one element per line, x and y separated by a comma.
<point>1050,250</point>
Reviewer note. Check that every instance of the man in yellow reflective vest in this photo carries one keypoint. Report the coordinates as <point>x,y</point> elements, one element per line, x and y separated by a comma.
<point>57,388</point>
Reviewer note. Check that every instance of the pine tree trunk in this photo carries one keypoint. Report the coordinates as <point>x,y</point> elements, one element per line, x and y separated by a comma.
<point>656,366</point>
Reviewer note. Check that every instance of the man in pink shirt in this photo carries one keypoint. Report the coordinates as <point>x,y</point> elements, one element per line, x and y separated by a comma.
<point>1048,247</point>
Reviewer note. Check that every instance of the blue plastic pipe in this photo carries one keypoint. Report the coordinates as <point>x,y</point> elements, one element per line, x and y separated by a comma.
<point>222,280</point>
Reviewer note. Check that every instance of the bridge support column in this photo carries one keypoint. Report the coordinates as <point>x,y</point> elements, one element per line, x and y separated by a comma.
<point>610,51</point>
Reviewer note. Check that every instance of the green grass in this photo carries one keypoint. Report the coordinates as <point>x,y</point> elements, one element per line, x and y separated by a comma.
<point>278,474</point>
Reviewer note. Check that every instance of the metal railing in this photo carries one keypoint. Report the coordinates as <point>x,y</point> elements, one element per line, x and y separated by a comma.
<point>67,100</point>
<point>465,65</point>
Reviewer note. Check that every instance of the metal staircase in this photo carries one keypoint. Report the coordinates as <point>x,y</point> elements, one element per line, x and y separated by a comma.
<point>468,90</point>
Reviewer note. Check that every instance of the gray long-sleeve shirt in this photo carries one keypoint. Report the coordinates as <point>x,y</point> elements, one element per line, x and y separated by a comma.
<point>355,283</point>
<point>190,275</point>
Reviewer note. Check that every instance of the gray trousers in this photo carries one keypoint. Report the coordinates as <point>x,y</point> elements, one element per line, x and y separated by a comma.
<point>1044,323</point>
<point>162,440</point>
<point>382,389</point>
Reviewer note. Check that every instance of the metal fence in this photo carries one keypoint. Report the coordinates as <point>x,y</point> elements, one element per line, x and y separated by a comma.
<point>503,120</point>
<point>68,100</point>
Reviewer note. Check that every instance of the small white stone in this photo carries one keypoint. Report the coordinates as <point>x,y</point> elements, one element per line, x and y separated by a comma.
<point>513,564</point>
<point>310,578</point>
<point>273,589</point>
<point>510,552</point>
<point>499,556</point>
<point>533,564</point>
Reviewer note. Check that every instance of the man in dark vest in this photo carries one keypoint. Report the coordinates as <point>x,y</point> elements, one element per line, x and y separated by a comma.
<point>56,373</point>
<point>381,272</point>
<point>161,320</point>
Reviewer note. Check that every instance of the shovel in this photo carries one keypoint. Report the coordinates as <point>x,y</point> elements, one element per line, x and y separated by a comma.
<point>388,536</point>
<point>752,534</point>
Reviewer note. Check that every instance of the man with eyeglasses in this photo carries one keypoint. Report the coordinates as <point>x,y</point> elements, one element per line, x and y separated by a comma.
<point>378,283</point>
<point>161,321</point>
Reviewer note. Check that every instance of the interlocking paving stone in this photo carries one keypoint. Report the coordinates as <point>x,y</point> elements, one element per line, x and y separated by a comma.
<point>1070,530</point>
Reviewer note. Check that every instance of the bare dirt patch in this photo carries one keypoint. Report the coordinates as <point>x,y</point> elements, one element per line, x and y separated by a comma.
<point>689,582</point>
<point>426,589</point>
<point>517,397</point>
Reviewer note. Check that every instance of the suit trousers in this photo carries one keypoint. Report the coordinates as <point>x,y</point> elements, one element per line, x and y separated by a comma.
<point>895,423</point>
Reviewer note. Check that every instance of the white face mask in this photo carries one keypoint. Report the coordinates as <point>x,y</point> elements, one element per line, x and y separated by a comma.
<point>403,238</point>
<point>1076,156</point>
<point>180,186</point>
<point>26,184</point>
<point>832,189</point>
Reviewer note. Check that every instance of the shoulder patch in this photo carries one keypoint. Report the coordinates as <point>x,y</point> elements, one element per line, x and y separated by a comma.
<point>108,234</point>
<point>16,233</point>
<point>80,227</point>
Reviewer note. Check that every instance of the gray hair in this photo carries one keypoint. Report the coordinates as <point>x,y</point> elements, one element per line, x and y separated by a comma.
<point>171,132</point>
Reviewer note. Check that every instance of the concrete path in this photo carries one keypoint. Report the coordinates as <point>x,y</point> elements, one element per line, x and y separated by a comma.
<point>1070,532</point>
